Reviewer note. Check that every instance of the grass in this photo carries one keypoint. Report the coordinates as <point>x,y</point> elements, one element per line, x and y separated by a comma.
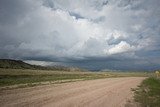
<point>148,93</point>
<point>10,77</point>
<point>19,76</point>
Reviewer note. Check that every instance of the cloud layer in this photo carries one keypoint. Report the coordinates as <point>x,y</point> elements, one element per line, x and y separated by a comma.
<point>94,34</point>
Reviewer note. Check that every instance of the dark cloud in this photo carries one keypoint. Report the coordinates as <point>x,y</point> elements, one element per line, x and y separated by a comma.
<point>92,34</point>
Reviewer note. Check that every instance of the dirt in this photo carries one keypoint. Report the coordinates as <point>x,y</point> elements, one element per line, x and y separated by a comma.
<point>110,92</point>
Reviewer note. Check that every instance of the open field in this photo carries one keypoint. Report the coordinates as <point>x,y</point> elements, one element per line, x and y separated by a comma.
<point>109,92</point>
<point>28,77</point>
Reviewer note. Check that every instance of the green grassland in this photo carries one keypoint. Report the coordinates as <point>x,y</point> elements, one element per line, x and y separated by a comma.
<point>26,76</point>
<point>148,93</point>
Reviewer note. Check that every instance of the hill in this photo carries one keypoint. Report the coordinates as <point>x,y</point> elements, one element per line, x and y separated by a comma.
<point>18,64</point>
<point>15,64</point>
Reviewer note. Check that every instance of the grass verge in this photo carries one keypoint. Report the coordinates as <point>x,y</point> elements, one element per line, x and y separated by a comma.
<point>10,77</point>
<point>148,93</point>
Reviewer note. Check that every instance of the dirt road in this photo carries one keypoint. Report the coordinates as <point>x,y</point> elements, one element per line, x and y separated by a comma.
<point>110,92</point>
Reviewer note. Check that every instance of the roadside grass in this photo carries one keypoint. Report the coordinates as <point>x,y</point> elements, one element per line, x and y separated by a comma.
<point>18,76</point>
<point>148,93</point>
<point>9,77</point>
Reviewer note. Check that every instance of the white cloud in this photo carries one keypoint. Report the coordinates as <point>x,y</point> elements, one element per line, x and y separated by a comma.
<point>121,48</point>
<point>42,63</point>
<point>137,27</point>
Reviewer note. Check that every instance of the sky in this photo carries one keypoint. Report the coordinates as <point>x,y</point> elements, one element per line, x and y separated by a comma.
<point>90,34</point>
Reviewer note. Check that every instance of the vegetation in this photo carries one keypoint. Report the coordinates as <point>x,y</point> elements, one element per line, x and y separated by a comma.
<point>148,93</point>
<point>26,76</point>
<point>19,76</point>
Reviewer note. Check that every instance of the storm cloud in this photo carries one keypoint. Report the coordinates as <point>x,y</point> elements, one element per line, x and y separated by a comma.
<point>92,34</point>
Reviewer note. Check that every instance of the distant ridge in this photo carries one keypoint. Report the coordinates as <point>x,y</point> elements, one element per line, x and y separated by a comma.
<point>18,64</point>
